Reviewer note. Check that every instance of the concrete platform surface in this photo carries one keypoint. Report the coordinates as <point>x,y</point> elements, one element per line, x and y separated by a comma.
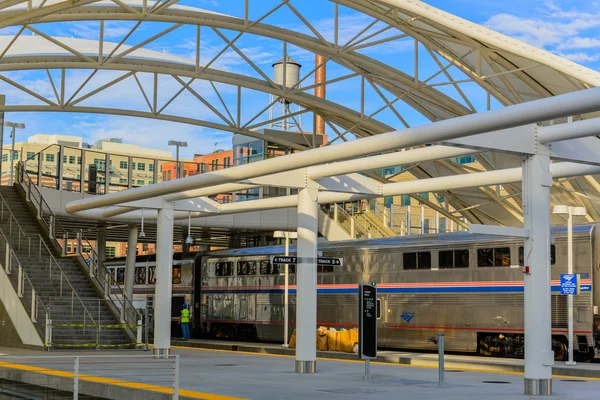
<point>260,376</point>
<point>452,361</point>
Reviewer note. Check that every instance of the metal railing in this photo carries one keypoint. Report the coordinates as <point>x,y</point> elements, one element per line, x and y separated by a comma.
<point>12,221</point>
<point>129,315</point>
<point>74,377</point>
<point>25,289</point>
<point>349,223</point>
<point>112,290</point>
<point>57,275</point>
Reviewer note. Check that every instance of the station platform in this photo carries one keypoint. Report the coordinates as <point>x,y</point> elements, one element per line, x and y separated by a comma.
<point>219,374</point>
<point>415,359</point>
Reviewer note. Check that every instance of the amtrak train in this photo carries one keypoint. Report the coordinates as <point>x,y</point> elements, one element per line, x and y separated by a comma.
<point>468,286</point>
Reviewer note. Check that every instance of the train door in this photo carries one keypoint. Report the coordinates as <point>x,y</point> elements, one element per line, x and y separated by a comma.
<point>382,319</point>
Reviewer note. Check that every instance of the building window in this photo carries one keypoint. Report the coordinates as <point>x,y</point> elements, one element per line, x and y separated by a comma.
<point>424,195</point>
<point>169,175</point>
<point>64,159</point>
<point>15,155</point>
<point>5,157</point>
<point>123,164</point>
<point>71,159</point>
<point>111,252</point>
<point>30,155</point>
<point>86,249</point>
<point>50,157</point>
<point>141,167</point>
<point>78,160</point>
<point>145,247</point>
<point>164,176</point>
<point>133,166</point>
<point>100,164</point>
<point>405,200</point>
<point>123,180</point>
<point>140,182</point>
<point>151,167</point>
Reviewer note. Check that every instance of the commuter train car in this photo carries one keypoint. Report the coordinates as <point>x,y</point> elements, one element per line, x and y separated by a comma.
<point>145,280</point>
<point>468,286</point>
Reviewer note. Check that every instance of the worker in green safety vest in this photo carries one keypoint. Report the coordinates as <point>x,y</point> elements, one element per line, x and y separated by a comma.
<point>184,321</point>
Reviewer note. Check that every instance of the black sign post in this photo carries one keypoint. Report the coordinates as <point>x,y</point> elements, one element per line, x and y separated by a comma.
<point>367,324</point>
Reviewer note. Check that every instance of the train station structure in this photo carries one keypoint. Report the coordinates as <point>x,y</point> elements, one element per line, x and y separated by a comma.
<point>531,131</point>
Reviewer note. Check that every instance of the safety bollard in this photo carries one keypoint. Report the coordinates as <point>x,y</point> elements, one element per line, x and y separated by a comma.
<point>440,340</point>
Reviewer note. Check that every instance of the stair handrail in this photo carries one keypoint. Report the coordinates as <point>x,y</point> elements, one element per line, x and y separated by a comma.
<point>4,204</point>
<point>22,279</point>
<point>29,187</point>
<point>102,277</point>
<point>350,225</point>
<point>73,291</point>
<point>26,180</point>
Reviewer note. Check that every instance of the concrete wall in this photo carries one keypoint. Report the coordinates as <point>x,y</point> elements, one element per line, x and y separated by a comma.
<point>16,328</point>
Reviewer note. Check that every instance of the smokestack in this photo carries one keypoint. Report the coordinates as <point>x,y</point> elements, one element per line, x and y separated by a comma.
<point>320,77</point>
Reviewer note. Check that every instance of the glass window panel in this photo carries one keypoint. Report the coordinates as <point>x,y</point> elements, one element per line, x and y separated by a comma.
<point>446,259</point>
<point>409,260</point>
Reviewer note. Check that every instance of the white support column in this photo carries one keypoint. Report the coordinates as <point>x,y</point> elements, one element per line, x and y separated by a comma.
<point>408,221</point>
<point>539,357</point>
<point>306,285</point>
<point>164,266</point>
<point>130,264</point>
<point>101,244</point>
<point>423,220</point>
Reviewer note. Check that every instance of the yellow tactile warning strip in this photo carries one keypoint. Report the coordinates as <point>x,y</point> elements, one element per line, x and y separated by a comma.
<point>115,382</point>
<point>488,371</point>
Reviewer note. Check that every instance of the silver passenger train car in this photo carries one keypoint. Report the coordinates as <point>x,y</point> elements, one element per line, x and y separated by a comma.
<point>468,286</point>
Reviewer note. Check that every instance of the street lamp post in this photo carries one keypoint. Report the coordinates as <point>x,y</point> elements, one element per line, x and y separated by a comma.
<point>14,126</point>
<point>177,145</point>
<point>570,211</point>
<point>287,236</point>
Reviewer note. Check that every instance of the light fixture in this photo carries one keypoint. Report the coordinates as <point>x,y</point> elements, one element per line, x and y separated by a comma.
<point>142,233</point>
<point>188,240</point>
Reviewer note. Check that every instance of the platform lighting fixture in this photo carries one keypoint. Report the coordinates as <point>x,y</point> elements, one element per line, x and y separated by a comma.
<point>571,212</point>
<point>177,145</point>
<point>14,126</point>
<point>142,233</point>
<point>287,236</point>
<point>189,241</point>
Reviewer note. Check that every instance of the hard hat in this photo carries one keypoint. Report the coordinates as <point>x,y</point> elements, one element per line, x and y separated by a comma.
<point>184,305</point>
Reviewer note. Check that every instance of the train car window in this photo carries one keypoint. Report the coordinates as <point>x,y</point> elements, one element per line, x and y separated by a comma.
<point>552,255</point>
<point>266,268</point>
<point>454,259</point>
<point>120,276</point>
<point>140,275</point>
<point>112,273</point>
<point>378,308</point>
<point>410,260</point>
<point>446,259</point>
<point>461,258</point>
<point>176,275</point>
<point>420,260</point>
<point>151,275</point>
<point>424,260</point>
<point>224,268</point>
<point>324,268</point>
<point>499,257</point>
<point>245,268</point>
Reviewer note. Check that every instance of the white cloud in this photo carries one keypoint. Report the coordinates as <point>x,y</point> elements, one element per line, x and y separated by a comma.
<point>557,30</point>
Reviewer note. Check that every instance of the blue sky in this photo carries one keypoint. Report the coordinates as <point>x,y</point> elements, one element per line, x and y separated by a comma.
<point>568,28</point>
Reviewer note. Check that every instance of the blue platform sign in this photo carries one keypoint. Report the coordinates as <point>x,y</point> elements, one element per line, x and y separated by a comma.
<point>569,284</point>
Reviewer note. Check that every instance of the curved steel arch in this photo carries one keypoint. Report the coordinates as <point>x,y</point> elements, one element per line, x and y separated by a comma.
<point>430,102</point>
<point>175,68</point>
<point>488,63</point>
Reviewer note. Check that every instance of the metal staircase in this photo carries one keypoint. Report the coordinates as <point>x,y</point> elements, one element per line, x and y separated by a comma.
<point>77,304</point>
